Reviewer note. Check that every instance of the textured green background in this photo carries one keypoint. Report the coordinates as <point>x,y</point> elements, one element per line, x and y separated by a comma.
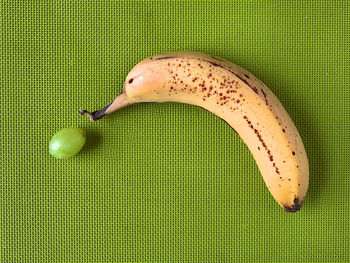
<point>168,182</point>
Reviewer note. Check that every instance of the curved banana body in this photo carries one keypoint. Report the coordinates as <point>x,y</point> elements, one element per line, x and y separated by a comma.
<point>236,96</point>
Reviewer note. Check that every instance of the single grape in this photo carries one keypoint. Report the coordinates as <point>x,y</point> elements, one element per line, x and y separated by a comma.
<point>67,142</point>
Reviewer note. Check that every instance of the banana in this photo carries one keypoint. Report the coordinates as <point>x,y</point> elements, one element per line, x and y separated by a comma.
<point>234,95</point>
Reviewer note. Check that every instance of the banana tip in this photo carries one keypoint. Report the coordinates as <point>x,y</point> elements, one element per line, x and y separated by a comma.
<point>90,114</point>
<point>295,207</point>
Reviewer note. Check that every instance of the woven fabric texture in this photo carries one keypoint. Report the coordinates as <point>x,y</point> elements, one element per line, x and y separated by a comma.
<point>168,182</point>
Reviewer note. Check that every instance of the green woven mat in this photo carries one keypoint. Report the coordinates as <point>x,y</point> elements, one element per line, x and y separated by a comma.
<point>168,182</point>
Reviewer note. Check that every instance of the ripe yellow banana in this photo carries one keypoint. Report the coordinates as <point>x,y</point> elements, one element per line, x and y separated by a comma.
<point>236,96</point>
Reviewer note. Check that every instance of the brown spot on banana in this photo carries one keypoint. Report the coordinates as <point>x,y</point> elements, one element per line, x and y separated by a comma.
<point>211,83</point>
<point>163,58</point>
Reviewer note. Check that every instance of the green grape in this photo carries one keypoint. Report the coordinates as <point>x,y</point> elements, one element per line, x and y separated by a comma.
<point>67,142</point>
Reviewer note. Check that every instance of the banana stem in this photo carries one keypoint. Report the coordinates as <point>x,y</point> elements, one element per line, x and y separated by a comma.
<point>119,102</point>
